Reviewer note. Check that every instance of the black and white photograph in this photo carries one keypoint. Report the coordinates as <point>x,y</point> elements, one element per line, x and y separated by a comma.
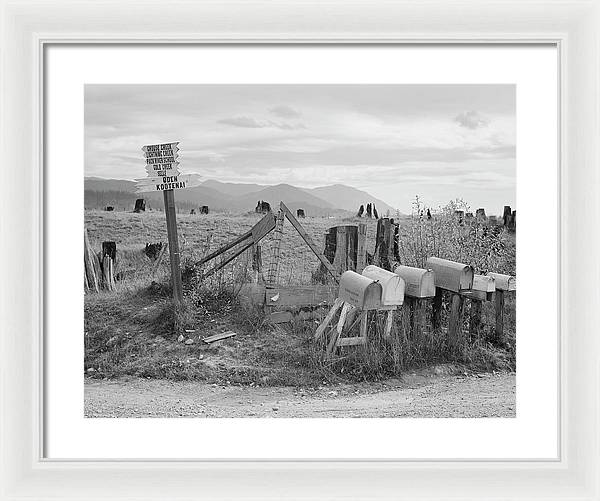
<point>300,251</point>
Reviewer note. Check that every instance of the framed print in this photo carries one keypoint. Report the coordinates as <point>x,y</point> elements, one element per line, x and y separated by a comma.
<point>300,253</point>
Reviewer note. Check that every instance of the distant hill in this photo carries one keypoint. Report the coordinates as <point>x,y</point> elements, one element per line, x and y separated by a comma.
<point>233,189</point>
<point>348,198</point>
<point>234,198</point>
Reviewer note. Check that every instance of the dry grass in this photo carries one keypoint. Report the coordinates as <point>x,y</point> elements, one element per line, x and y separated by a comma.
<point>133,331</point>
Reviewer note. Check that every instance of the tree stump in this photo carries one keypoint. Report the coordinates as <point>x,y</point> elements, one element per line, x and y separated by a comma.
<point>140,205</point>
<point>204,209</point>
<point>386,246</point>
<point>506,215</point>
<point>109,249</point>
<point>300,213</point>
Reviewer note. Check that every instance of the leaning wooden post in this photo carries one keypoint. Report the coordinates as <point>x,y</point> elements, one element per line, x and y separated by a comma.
<point>169,199</point>
<point>92,266</point>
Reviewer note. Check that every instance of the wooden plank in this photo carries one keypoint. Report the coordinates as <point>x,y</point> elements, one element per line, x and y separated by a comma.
<point>328,318</point>
<point>332,342</point>
<point>252,294</point>
<point>91,263</point>
<point>276,249</point>
<point>261,229</point>
<point>455,334</point>
<point>351,341</point>
<point>301,296</point>
<point>388,323</point>
<point>108,278</point>
<point>361,254</point>
<point>225,262</point>
<point>364,320</point>
<point>170,214</point>
<point>342,320</point>
<point>218,337</point>
<point>309,241</point>
<point>280,317</point>
<point>499,329</point>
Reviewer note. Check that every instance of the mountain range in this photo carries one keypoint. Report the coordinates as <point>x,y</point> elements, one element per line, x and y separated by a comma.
<point>237,197</point>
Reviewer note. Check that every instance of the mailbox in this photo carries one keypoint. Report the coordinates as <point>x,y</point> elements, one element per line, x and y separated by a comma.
<point>392,285</point>
<point>451,276</point>
<point>504,282</point>
<point>418,281</point>
<point>360,291</point>
<point>483,288</point>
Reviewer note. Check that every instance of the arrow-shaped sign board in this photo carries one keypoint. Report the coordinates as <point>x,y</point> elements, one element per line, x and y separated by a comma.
<point>165,183</point>
<point>161,147</point>
<point>166,169</point>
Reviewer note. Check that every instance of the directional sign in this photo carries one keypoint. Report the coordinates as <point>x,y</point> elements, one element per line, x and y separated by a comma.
<point>160,147</point>
<point>167,183</point>
<point>166,169</point>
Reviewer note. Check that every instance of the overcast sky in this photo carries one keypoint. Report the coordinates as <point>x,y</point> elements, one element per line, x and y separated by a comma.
<point>395,141</point>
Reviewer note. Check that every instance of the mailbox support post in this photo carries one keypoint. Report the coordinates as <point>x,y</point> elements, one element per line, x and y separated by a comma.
<point>436,317</point>
<point>475,320</point>
<point>499,330</point>
<point>455,334</point>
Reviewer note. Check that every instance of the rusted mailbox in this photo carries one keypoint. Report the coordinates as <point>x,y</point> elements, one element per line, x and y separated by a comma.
<point>451,276</point>
<point>360,291</point>
<point>504,282</point>
<point>420,283</point>
<point>392,285</point>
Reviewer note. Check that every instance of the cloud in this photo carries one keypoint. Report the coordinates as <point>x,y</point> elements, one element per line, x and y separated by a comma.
<point>253,123</point>
<point>471,120</point>
<point>241,121</point>
<point>284,111</point>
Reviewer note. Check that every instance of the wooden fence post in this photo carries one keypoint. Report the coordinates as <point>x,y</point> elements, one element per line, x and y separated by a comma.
<point>455,332</point>
<point>340,261</point>
<point>499,330</point>
<point>257,263</point>
<point>475,320</point>
<point>108,278</point>
<point>274,264</point>
<point>436,317</point>
<point>170,214</point>
<point>361,248</point>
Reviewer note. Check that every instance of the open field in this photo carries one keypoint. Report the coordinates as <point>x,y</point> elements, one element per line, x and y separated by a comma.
<point>133,331</point>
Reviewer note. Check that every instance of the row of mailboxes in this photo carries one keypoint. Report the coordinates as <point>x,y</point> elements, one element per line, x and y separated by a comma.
<point>377,288</point>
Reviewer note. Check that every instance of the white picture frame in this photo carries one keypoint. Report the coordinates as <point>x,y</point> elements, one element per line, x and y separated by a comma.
<point>27,28</point>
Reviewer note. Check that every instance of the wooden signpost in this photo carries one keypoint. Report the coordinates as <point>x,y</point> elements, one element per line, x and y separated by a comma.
<point>163,175</point>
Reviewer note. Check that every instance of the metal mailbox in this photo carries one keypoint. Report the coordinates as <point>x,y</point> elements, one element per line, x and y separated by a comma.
<point>392,285</point>
<point>504,282</point>
<point>483,288</point>
<point>451,276</point>
<point>418,281</point>
<point>360,291</point>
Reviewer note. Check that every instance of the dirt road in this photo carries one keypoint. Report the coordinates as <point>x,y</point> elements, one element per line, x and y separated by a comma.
<point>484,395</point>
